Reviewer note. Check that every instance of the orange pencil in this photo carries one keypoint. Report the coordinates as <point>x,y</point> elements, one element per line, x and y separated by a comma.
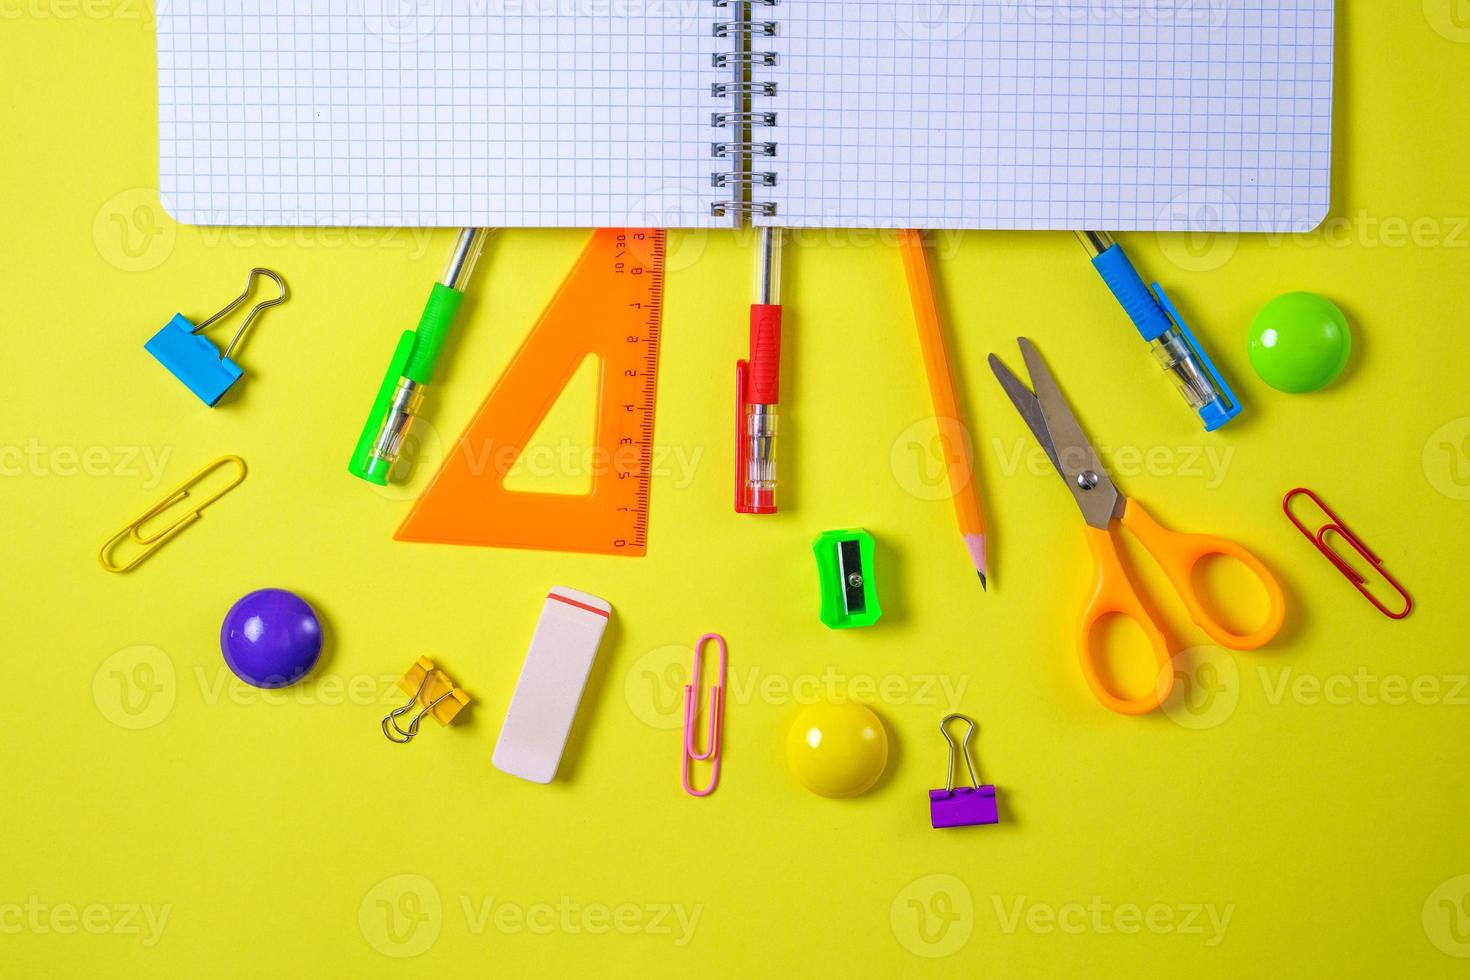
<point>961,470</point>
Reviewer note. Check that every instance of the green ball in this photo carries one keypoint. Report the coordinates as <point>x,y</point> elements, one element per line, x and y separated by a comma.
<point>1300,342</point>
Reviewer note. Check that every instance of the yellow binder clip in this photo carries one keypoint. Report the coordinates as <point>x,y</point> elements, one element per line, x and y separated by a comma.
<point>434,691</point>
<point>151,542</point>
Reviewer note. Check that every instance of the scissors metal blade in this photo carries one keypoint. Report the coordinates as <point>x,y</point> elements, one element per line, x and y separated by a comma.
<point>1089,482</point>
<point>1028,406</point>
<point>1070,450</point>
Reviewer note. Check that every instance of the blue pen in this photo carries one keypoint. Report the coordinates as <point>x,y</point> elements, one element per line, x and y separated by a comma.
<point>1165,331</point>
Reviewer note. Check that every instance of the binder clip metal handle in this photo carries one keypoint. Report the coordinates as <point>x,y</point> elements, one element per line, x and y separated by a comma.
<point>254,310</point>
<point>190,357</point>
<point>404,736</point>
<point>968,806</point>
<point>430,690</point>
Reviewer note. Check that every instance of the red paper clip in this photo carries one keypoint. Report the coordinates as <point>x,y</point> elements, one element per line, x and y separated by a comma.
<point>1336,526</point>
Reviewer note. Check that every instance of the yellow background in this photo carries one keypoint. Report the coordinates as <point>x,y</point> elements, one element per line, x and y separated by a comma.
<point>281,835</point>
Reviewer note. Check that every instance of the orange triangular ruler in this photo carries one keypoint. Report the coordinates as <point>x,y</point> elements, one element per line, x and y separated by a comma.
<point>610,306</point>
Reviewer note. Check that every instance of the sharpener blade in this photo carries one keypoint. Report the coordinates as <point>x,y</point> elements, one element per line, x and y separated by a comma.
<point>850,566</point>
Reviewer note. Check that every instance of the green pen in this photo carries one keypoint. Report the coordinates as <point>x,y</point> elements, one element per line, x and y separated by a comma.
<point>412,368</point>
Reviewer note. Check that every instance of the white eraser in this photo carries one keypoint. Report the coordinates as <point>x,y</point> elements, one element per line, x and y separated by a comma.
<point>552,679</point>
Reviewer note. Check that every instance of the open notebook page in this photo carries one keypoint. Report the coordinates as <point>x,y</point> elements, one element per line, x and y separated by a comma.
<point>1167,114</point>
<point>340,112</point>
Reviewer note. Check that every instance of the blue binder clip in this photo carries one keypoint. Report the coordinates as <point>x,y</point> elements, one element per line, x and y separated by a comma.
<point>196,362</point>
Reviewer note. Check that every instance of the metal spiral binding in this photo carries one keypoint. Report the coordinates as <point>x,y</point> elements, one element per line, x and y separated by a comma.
<point>755,149</point>
<point>722,89</point>
<point>744,118</point>
<point>720,120</point>
<point>744,59</point>
<point>739,178</point>
<point>754,28</point>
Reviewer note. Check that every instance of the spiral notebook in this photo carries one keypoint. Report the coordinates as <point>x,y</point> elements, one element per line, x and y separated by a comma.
<point>1169,114</point>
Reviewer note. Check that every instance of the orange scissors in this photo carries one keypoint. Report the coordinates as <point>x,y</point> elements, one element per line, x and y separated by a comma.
<point>1051,421</point>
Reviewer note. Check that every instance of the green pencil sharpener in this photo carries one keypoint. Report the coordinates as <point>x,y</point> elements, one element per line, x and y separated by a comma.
<point>849,588</point>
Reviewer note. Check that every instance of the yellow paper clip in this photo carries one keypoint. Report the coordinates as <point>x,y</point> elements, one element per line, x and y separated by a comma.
<point>152,542</point>
<point>430,688</point>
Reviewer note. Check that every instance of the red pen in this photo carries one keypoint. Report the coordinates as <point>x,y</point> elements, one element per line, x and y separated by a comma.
<point>758,387</point>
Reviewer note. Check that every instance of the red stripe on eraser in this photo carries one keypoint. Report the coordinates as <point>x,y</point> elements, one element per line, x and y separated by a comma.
<point>580,605</point>
<point>765,355</point>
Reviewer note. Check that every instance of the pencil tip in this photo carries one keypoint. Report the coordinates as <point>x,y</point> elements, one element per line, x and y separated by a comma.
<point>975,545</point>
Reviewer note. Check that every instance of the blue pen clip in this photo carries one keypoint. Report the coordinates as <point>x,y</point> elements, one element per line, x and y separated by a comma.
<point>190,357</point>
<point>1225,406</point>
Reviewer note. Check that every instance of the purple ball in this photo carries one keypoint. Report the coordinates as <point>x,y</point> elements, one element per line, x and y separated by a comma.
<point>271,638</point>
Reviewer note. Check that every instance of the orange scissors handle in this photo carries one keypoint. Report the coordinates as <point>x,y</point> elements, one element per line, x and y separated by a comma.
<point>1114,595</point>
<point>1179,554</point>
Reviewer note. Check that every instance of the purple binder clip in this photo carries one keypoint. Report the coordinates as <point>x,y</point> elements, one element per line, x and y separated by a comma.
<point>968,806</point>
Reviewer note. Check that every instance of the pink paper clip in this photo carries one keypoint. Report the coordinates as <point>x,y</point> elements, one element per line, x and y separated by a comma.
<point>711,753</point>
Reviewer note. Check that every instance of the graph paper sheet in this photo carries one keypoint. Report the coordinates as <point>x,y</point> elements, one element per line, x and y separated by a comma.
<point>378,112</point>
<point>1112,114</point>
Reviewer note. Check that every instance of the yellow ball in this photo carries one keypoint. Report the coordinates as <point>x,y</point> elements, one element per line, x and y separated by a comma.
<point>837,750</point>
